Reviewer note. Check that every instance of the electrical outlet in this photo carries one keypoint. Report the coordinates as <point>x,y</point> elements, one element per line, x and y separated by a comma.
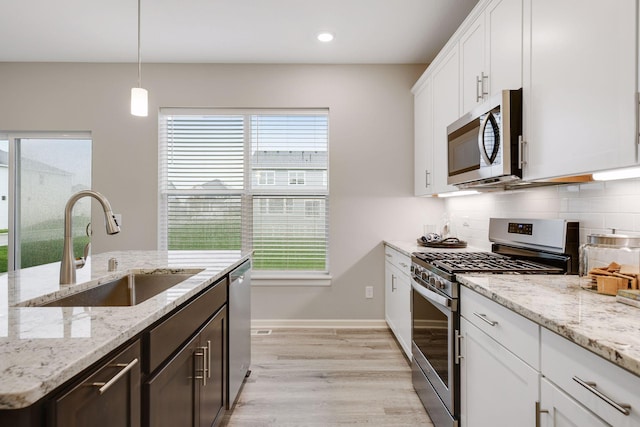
<point>368,292</point>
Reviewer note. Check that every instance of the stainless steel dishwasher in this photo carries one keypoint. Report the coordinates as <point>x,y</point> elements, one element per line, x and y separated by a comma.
<point>239,307</point>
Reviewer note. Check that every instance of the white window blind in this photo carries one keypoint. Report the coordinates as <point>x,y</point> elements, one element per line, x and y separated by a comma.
<point>248,180</point>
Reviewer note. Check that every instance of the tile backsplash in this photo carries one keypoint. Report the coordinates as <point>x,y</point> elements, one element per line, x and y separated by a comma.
<point>600,207</point>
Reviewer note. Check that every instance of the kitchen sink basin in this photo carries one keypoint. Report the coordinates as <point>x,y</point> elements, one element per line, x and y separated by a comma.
<point>129,290</point>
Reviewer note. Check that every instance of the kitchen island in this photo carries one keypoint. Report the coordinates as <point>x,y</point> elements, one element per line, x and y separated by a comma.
<point>41,348</point>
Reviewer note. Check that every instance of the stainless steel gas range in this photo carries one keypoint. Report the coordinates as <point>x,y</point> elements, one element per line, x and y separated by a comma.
<point>519,246</point>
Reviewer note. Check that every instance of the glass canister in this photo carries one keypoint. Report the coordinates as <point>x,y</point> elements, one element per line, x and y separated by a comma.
<point>611,255</point>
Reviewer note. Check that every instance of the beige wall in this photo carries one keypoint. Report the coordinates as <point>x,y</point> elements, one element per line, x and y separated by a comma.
<point>371,155</point>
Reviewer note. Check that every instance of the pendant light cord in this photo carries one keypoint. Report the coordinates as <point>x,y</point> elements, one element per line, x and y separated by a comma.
<point>139,61</point>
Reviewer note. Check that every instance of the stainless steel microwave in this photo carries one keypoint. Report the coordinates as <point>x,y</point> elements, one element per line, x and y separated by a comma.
<point>484,145</point>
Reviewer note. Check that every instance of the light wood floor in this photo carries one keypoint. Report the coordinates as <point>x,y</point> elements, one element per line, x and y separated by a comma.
<point>327,377</point>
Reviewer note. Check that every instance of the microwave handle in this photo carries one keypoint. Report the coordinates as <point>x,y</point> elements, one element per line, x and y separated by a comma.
<point>481,147</point>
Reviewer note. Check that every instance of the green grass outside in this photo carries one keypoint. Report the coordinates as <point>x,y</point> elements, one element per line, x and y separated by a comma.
<point>272,254</point>
<point>38,253</point>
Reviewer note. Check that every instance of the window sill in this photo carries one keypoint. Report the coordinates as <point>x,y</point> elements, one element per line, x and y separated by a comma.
<point>283,279</point>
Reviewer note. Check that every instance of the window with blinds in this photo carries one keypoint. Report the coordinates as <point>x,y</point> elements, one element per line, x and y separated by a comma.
<point>250,180</point>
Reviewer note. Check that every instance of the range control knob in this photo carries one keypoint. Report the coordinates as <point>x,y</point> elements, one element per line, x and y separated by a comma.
<point>424,276</point>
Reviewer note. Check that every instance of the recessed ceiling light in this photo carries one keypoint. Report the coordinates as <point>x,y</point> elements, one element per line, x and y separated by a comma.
<point>325,36</point>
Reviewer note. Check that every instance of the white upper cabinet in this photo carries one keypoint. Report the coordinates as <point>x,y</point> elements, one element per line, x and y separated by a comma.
<point>491,53</point>
<point>579,86</point>
<point>472,67</point>
<point>446,109</point>
<point>423,138</point>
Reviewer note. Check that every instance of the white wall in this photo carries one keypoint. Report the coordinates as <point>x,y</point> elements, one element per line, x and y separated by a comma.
<point>371,154</point>
<point>598,206</point>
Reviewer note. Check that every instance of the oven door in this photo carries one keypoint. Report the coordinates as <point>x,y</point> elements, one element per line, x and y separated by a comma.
<point>434,324</point>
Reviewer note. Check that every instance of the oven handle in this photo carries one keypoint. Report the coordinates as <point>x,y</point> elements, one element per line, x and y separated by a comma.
<point>431,296</point>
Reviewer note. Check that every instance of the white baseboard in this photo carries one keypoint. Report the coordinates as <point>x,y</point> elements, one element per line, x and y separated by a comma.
<point>318,323</point>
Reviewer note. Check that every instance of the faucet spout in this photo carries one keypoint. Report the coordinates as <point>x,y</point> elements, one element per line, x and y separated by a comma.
<point>68,264</point>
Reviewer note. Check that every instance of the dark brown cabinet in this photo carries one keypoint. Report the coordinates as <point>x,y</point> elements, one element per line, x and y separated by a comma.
<point>185,363</point>
<point>110,396</point>
<point>211,401</point>
<point>189,389</point>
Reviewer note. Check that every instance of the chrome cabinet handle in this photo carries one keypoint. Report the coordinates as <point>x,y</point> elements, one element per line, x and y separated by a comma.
<point>521,145</point>
<point>404,265</point>
<point>388,255</point>
<point>483,317</point>
<point>202,352</point>
<point>393,283</point>
<point>126,367</point>
<point>458,356</point>
<point>538,412</point>
<point>591,386</point>
<point>208,358</point>
<point>480,90</point>
<point>483,91</point>
<point>426,178</point>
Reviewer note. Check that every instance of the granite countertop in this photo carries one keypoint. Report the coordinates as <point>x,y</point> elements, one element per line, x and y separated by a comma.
<point>558,303</point>
<point>408,247</point>
<point>43,347</point>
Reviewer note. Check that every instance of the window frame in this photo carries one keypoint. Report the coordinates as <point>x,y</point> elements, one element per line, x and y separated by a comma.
<point>254,188</point>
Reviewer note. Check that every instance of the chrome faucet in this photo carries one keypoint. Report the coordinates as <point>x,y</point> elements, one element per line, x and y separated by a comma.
<point>68,265</point>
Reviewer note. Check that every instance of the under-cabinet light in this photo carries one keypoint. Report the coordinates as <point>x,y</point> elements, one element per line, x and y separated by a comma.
<point>617,174</point>
<point>458,193</point>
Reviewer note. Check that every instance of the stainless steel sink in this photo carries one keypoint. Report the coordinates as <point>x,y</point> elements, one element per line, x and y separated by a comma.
<point>126,291</point>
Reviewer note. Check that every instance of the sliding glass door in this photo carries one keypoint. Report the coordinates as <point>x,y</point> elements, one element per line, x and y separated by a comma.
<point>42,171</point>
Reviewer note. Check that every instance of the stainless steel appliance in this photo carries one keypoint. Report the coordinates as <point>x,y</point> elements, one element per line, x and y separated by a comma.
<point>484,145</point>
<point>520,246</point>
<point>239,330</point>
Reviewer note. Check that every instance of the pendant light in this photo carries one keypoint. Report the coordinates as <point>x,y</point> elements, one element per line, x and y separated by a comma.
<point>139,96</point>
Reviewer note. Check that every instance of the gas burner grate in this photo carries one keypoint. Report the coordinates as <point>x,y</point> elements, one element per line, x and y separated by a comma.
<point>482,262</point>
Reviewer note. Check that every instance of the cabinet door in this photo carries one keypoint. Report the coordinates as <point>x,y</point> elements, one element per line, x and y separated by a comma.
<point>423,139</point>
<point>446,103</point>
<point>398,305</point>
<point>562,411</point>
<point>473,74</point>
<point>109,397</point>
<point>497,388</point>
<point>403,290</point>
<point>579,86</point>
<point>170,394</point>
<point>503,20</point>
<point>210,402</point>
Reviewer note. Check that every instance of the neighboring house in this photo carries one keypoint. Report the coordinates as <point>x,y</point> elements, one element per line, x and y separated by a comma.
<point>288,188</point>
<point>44,191</point>
<point>289,192</point>
<point>290,171</point>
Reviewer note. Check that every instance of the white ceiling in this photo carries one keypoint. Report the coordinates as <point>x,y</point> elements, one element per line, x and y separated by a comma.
<point>228,31</point>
